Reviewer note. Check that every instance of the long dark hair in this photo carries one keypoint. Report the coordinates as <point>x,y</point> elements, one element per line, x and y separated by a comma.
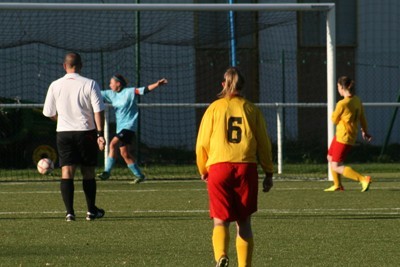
<point>119,78</point>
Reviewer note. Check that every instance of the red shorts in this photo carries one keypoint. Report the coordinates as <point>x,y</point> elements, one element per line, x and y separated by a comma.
<point>338,151</point>
<point>232,190</point>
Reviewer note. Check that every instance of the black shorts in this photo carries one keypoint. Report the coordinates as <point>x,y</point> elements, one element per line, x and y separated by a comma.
<point>77,148</point>
<point>126,137</point>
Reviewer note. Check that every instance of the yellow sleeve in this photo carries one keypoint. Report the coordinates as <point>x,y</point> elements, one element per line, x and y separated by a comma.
<point>203,142</point>
<point>264,148</point>
<point>336,115</point>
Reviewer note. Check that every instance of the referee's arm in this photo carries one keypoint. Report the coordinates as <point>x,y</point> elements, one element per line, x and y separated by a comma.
<point>99,120</point>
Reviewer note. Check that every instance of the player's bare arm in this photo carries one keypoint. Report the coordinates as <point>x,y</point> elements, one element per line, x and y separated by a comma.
<point>157,84</point>
<point>99,120</point>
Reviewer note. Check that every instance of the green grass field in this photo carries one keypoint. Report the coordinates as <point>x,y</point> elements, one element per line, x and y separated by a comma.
<point>189,171</point>
<point>166,223</point>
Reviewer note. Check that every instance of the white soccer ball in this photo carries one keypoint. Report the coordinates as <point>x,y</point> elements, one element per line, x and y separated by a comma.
<point>45,166</point>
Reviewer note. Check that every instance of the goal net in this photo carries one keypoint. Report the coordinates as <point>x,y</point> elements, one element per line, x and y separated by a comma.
<point>189,44</point>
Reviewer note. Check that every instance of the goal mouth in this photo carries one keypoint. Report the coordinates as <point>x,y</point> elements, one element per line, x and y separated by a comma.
<point>191,45</point>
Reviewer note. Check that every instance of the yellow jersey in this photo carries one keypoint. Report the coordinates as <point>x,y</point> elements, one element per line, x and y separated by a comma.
<point>348,114</point>
<point>233,130</point>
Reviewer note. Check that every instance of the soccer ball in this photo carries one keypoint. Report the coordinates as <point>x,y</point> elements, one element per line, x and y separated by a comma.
<point>45,166</point>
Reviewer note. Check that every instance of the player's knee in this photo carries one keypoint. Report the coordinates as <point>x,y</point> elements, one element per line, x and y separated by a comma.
<point>124,154</point>
<point>337,167</point>
<point>219,222</point>
<point>113,146</point>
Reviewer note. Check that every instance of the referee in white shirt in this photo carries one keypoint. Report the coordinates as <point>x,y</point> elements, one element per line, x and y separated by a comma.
<point>77,105</point>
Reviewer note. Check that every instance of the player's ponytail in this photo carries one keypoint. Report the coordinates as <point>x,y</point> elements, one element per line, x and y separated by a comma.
<point>347,83</point>
<point>233,83</point>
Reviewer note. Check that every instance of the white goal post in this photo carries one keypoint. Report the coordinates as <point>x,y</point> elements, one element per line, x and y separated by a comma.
<point>329,8</point>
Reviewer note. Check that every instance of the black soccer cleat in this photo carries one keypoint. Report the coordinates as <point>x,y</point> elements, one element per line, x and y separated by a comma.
<point>99,213</point>
<point>70,217</point>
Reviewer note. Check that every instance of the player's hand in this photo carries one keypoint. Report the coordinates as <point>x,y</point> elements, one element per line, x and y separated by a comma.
<point>267,182</point>
<point>101,142</point>
<point>204,177</point>
<point>162,81</point>
<point>366,136</point>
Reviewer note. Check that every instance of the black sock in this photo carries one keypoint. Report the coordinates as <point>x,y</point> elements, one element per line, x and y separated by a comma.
<point>90,188</point>
<point>67,193</point>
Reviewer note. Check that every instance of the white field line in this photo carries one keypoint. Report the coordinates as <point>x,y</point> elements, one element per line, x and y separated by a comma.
<point>369,211</point>
<point>186,190</point>
<point>106,191</point>
<point>155,181</point>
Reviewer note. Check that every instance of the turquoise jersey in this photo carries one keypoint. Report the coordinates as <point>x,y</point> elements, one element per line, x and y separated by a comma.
<point>125,106</point>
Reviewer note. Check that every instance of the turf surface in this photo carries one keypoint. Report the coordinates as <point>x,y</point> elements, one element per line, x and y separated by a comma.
<point>165,223</point>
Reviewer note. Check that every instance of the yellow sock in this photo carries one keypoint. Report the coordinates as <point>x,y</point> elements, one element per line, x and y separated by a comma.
<point>336,178</point>
<point>220,240</point>
<point>352,174</point>
<point>244,249</point>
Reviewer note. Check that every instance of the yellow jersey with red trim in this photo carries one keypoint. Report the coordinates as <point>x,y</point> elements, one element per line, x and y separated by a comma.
<point>348,115</point>
<point>233,130</point>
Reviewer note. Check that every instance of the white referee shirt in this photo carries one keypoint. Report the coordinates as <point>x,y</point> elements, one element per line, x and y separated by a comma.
<point>74,99</point>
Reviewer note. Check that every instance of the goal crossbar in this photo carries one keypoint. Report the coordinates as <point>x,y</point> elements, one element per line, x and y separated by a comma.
<point>167,7</point>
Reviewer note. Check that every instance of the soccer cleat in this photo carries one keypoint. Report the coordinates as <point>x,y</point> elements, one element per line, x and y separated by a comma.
<point>104,175</point>
<point>137,172</point>
<point>140,179</point>
<point>70,217</point>
<point>223,261</point>
<point>334,188</point>
<point>366,183</point>
<point>99,213</point>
